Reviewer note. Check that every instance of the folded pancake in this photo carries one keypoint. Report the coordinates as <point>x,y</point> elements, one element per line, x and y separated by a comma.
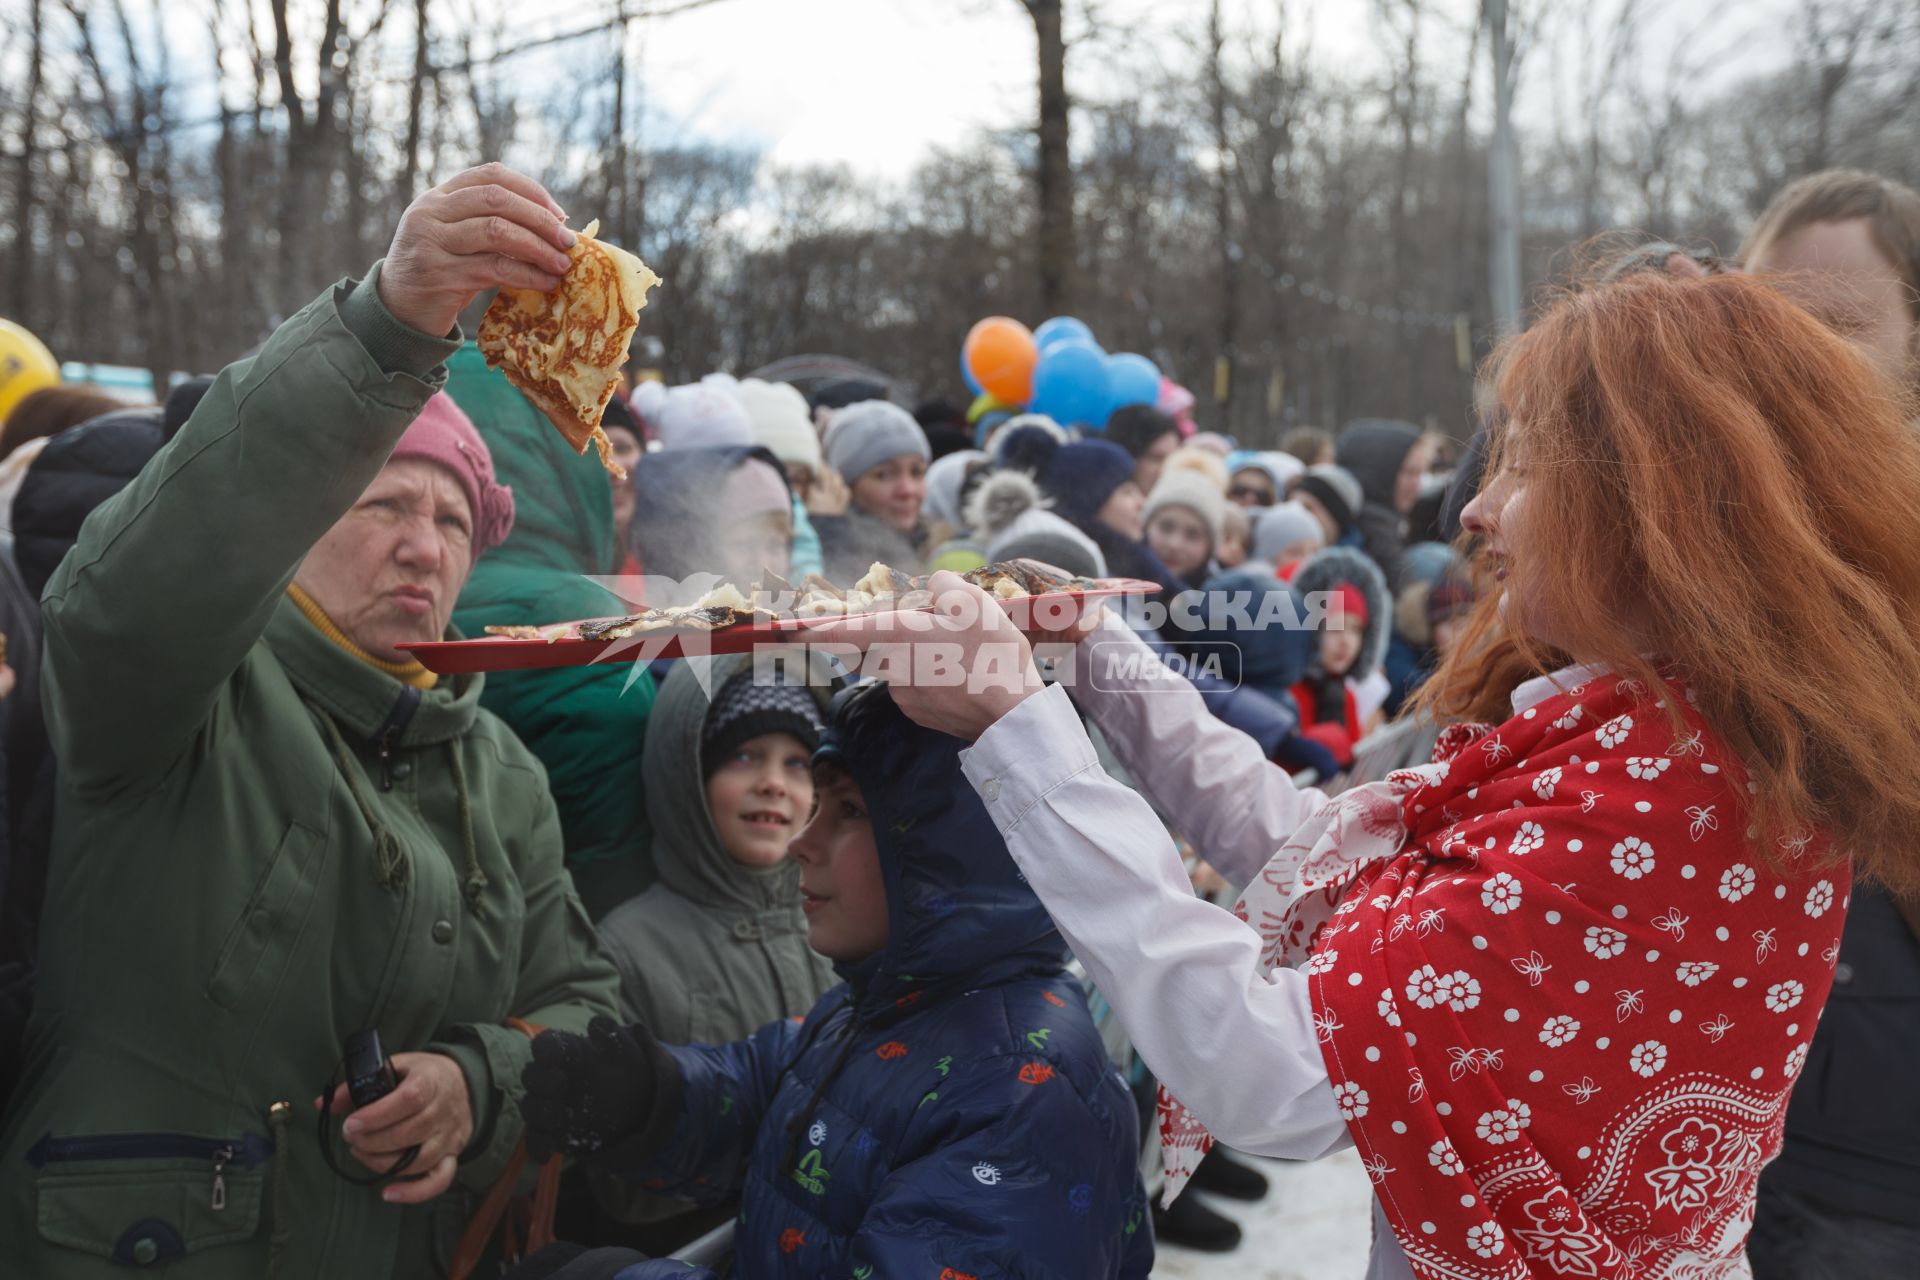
<point>564,349</point>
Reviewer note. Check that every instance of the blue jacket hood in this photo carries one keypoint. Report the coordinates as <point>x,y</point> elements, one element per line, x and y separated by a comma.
<point>960,915</point>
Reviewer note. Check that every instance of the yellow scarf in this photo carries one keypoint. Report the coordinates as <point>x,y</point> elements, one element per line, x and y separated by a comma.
<point>412,673</point>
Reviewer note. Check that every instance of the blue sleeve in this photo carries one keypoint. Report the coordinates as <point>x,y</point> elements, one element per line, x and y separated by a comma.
<point>1268,721</point>
<point>728,1090</point>
<point>1019,1179</point>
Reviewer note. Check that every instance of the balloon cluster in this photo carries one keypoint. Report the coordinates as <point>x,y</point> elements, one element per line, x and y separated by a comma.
<point>1057,369</point>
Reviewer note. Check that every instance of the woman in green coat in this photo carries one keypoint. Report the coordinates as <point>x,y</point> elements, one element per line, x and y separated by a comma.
<point>274,831</point>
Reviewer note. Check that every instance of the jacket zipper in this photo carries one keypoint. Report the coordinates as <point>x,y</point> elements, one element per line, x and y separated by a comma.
<point>222,1153</point>
<point>387,736</point>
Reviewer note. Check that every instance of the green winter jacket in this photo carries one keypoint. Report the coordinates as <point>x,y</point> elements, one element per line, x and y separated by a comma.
<point>264,845</point>
<point>586,724</point>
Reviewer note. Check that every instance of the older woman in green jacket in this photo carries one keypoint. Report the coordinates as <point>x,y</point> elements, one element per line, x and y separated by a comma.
<point>274,830</point>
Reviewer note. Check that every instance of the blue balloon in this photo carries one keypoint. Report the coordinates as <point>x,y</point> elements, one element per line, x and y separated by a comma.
<point>1131,379</point>
<point>966,375</point>
<point>1070,384</point>
<point>1062,329</point>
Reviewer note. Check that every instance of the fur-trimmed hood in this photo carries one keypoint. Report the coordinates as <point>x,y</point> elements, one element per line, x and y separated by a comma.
<point>1325,570</point>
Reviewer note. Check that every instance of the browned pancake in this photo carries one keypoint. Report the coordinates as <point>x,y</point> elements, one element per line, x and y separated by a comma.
<point>564,349</point>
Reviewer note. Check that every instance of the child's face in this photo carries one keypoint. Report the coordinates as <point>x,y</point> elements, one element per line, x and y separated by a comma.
<point>759,797</point>
<point>1443,634</point>
<point>1180,538</point>
<point>1339,646</point>
<point>845,896</point>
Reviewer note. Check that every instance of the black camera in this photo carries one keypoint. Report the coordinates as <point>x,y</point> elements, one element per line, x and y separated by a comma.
<point>370,1077</point>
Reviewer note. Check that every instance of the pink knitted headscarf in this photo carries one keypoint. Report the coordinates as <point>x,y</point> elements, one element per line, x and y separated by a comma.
<point>443,435</point>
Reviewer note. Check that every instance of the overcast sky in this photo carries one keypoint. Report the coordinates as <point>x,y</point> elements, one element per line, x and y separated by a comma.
<point>875,83</point>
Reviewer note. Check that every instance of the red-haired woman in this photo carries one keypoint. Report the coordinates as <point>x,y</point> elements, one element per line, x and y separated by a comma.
<point>1554,987</point>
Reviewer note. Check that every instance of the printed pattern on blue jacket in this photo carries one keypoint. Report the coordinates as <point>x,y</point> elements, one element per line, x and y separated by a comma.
<point>948,1111</point>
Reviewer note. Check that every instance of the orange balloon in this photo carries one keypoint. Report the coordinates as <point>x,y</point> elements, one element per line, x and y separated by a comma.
<point>999,352</point>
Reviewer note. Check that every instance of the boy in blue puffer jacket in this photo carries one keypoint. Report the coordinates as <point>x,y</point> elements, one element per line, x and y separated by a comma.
<point>948,1110</point>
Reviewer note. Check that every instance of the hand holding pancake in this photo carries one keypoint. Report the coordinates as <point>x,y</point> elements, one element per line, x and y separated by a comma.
<point>481,229</point>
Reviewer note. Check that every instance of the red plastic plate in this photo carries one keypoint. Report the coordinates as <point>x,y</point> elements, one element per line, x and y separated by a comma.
<point>506,653</point>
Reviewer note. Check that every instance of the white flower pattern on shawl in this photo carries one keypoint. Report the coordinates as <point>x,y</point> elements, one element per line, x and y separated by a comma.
<point>1500,893</point>
<point>1648,1058</point>
<point>1632,858</point>
<point>1819,899</point>
<point>1736,882</point>
<point>1695,972</point>
<point>1614,732</point>
<point>1503,1124</point>
<point>1603,943</point>
<point>1559,1030</point>
<point>1529,837</point>
<point>1785,995</point>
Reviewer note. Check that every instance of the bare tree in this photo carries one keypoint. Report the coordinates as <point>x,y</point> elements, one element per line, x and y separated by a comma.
<point>1054,170</point>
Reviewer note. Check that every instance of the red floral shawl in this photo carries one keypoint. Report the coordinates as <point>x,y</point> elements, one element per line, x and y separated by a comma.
<point>1560,1001</point>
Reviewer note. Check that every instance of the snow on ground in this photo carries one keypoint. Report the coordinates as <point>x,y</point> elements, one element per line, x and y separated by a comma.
<point>1315,1224</point>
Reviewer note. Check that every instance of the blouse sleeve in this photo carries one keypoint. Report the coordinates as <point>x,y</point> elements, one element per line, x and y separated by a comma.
<point>1217,789</point>
<point>1234,1044</point>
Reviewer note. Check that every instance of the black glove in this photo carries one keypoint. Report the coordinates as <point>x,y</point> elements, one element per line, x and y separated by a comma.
<point>614,1087</point>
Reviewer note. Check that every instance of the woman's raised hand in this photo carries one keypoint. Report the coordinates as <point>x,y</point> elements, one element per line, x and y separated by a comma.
<point>481,229</point>
<point>956,669</point>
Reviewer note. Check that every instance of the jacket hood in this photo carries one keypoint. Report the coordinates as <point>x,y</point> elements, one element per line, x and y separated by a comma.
<point>960,915</point>
<point>1324,570</point>
<point>677,511</point>
<point>563,503</point>
<point>1373,449</point>
<point>75,472</point>
<point>1268,658</point>
<point>687,854</point>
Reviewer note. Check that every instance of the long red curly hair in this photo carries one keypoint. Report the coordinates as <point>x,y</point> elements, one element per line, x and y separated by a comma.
<point>1718,484</point>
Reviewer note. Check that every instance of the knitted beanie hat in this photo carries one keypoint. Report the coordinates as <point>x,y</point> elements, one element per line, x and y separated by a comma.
<point>743,710</point>
<point>1336,490</point>
<point>1281,526</point>
<point>782,423</point>
<point>1192,490</point>
<point>443,435</point>
<point>699,415</point>
<point>862,436</point>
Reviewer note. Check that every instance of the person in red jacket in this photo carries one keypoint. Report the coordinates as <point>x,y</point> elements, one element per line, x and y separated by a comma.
<point>1349,648</point>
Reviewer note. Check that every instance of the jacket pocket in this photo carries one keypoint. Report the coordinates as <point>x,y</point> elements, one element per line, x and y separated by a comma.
<point>265,921</point>
<point>147,1199</point>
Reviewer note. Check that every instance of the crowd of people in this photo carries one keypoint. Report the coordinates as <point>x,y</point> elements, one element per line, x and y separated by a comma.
<point>1576,785</point>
